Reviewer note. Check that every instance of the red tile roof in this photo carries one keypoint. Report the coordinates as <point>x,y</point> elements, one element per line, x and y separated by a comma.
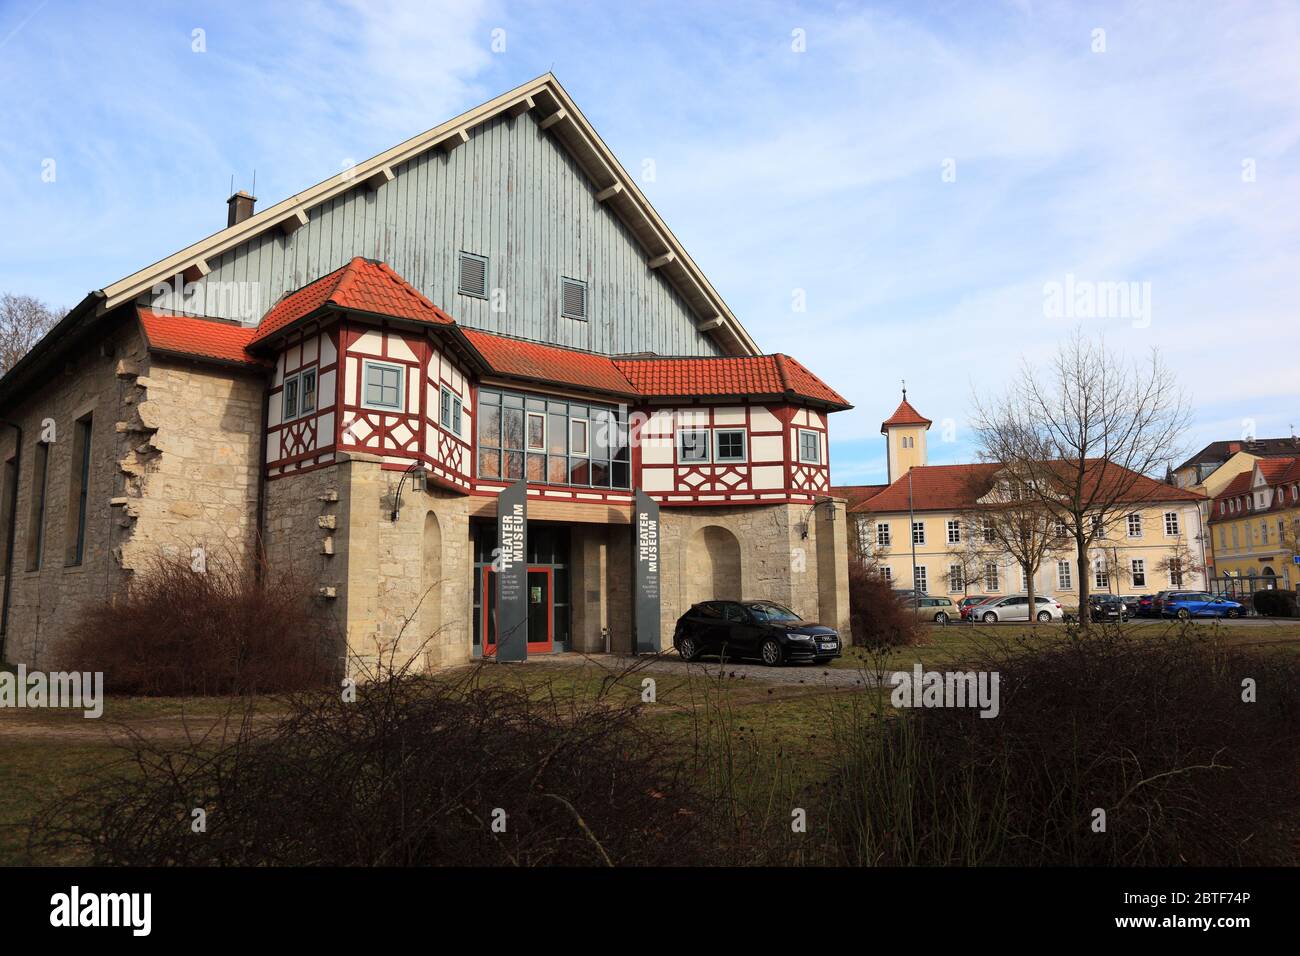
<point>952,487</point>
<point>905,414</point>
<point>549,363</point>
<point>775,375</point>
<point>856,494</point>
<point>363,285</point>
<point>200,338</point>
<point>1276,470</point>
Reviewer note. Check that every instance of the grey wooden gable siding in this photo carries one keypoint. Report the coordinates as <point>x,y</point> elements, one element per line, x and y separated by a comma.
<point>511,194</point>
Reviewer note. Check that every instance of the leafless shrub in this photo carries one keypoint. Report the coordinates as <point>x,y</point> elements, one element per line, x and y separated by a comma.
<point>876,616</point>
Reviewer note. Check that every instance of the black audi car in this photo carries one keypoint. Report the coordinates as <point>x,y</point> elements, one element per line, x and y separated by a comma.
<point>753,629</point>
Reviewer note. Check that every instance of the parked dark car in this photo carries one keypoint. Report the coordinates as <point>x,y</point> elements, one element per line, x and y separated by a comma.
<point>753,629</point>
<point>1146,606</point>
<point>1107,607</point>
<point>1130,603</point>
<point>1185,604</point>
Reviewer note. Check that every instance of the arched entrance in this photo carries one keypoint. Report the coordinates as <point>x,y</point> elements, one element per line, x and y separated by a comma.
<point>430,618</point>
<point>713,568</point>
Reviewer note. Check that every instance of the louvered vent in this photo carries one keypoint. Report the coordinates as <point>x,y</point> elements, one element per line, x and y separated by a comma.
<point>573,295</point>
<point>473,275</point>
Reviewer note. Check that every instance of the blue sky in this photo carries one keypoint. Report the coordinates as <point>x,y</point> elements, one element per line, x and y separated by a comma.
<point>918,173</point>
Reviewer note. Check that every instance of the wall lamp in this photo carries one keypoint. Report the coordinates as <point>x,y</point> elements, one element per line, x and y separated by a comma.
<point>418,474</point>
<point>830,514</point>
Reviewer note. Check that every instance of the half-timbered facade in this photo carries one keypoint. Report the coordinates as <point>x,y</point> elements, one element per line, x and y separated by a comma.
<point>348,382</point>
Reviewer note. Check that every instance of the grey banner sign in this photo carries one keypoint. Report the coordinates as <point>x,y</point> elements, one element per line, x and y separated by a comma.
<point>645,580</point>
<point>512,573</point>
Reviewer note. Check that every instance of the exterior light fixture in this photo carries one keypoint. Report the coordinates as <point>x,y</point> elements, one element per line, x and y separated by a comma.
<point>418,475</point>
<point>830,514</point>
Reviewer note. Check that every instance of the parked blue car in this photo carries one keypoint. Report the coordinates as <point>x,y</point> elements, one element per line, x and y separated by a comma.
<point>1185,604</point>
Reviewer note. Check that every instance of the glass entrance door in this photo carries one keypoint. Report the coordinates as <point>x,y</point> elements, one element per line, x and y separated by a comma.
<point>541,611</point>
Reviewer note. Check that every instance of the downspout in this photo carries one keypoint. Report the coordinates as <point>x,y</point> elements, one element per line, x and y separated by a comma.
<point>259,557</point>
<point>9,545</point>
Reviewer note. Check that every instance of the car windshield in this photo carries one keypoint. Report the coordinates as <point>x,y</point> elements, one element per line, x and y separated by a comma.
<point>773,613</point>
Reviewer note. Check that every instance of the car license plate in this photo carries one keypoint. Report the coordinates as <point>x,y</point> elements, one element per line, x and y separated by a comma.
<point>829,645</point>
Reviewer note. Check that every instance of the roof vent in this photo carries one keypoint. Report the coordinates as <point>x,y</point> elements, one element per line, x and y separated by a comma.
<point>473,275</point>
<point>573,299</point>
<point>240,207</point>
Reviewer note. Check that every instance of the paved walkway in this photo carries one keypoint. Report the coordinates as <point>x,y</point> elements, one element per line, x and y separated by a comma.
<point>810,674</point>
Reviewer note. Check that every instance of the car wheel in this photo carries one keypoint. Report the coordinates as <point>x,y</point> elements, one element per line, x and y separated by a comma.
<point>1183,614</point>
<point>1044,616</point>
<point>941,618</point>
<point>990,617</point>
<point>1233,612</point>
<point>771,652</point>
<point>687,649</point>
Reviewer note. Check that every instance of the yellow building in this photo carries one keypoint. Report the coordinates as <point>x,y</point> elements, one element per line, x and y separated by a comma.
<point>1157,544</point>
<point>1254,526</point>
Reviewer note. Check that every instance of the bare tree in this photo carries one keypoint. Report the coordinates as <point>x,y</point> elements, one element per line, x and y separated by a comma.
<point>1085,436</point>
<point>23,321</point>
<point>1006,520</point>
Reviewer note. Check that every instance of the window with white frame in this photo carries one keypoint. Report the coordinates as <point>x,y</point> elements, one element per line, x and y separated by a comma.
<point>290,396</point>
<point>989,532</point>
<point>810,447</point>
<point>729,444</point>
<point>887,572</point>
<point>956,578</point>
<point>1024,579</point>
<point>882,534</point>
<point>693,446</point>
<point>535,431</point>
<point>1100,574</point>
<point>579,437</point>
<point>1062,529</point>
<point>1135,526</point>
<point>922,585</point>
<point>991,576</point>
<point>1223,537</point>
<point>1171,523</point>
<point>1139,571</point>
<point>450,408</point>
<point>918,532</point>
<point>383,385</point>
<point>1063,579</point>
<point>1263,531</point>
<point>954,531</point>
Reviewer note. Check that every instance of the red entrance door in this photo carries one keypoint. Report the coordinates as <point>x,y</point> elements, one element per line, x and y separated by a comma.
<point>541,611</point>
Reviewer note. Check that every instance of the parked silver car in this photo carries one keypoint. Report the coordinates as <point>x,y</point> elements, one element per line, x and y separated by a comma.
<point>1016,608</point>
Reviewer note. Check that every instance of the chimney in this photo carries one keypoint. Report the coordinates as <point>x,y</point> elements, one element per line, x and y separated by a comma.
<point>241,208</point>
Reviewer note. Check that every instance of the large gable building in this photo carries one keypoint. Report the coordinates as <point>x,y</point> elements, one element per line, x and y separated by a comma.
<point>347,382</point>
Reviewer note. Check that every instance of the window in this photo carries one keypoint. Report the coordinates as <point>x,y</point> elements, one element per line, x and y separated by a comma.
<point>309,391</point>
<point>1062,529</point>
<point>1263,531</point>
<point>918,532</point>
<point>989,531</point>
<point>1135,526</point>
<point>693,446</point>
<point>954,532</point>
<point>473,275</point>
<point>1139,568</point>
<point>991,576</point>
<point>537,431</point>
<point>956,578</point>
<point>887,573</point>
<point>573,299</point>
<point>551,442</point>
<point>1063,580</point>
<point>1236,542</point>
<point>383,386</point>
<point>1100,575</point>
<point>810,447</point>
<point>882,534</point>
<point>1171,523</point>
<point>36,523</point>
<point>8,499</point>
<point>1223,537</point>
<point>1175,573</point>
<point>75,540</point>
<point>908,441</point>
<point>450,409</point>
<point>729,444</point>
<point>290,398</point>
<point>918,573</point>
<point>1024,579</point>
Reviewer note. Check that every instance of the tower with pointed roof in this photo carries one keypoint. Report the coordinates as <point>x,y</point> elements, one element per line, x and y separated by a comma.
<point>904,433</point>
